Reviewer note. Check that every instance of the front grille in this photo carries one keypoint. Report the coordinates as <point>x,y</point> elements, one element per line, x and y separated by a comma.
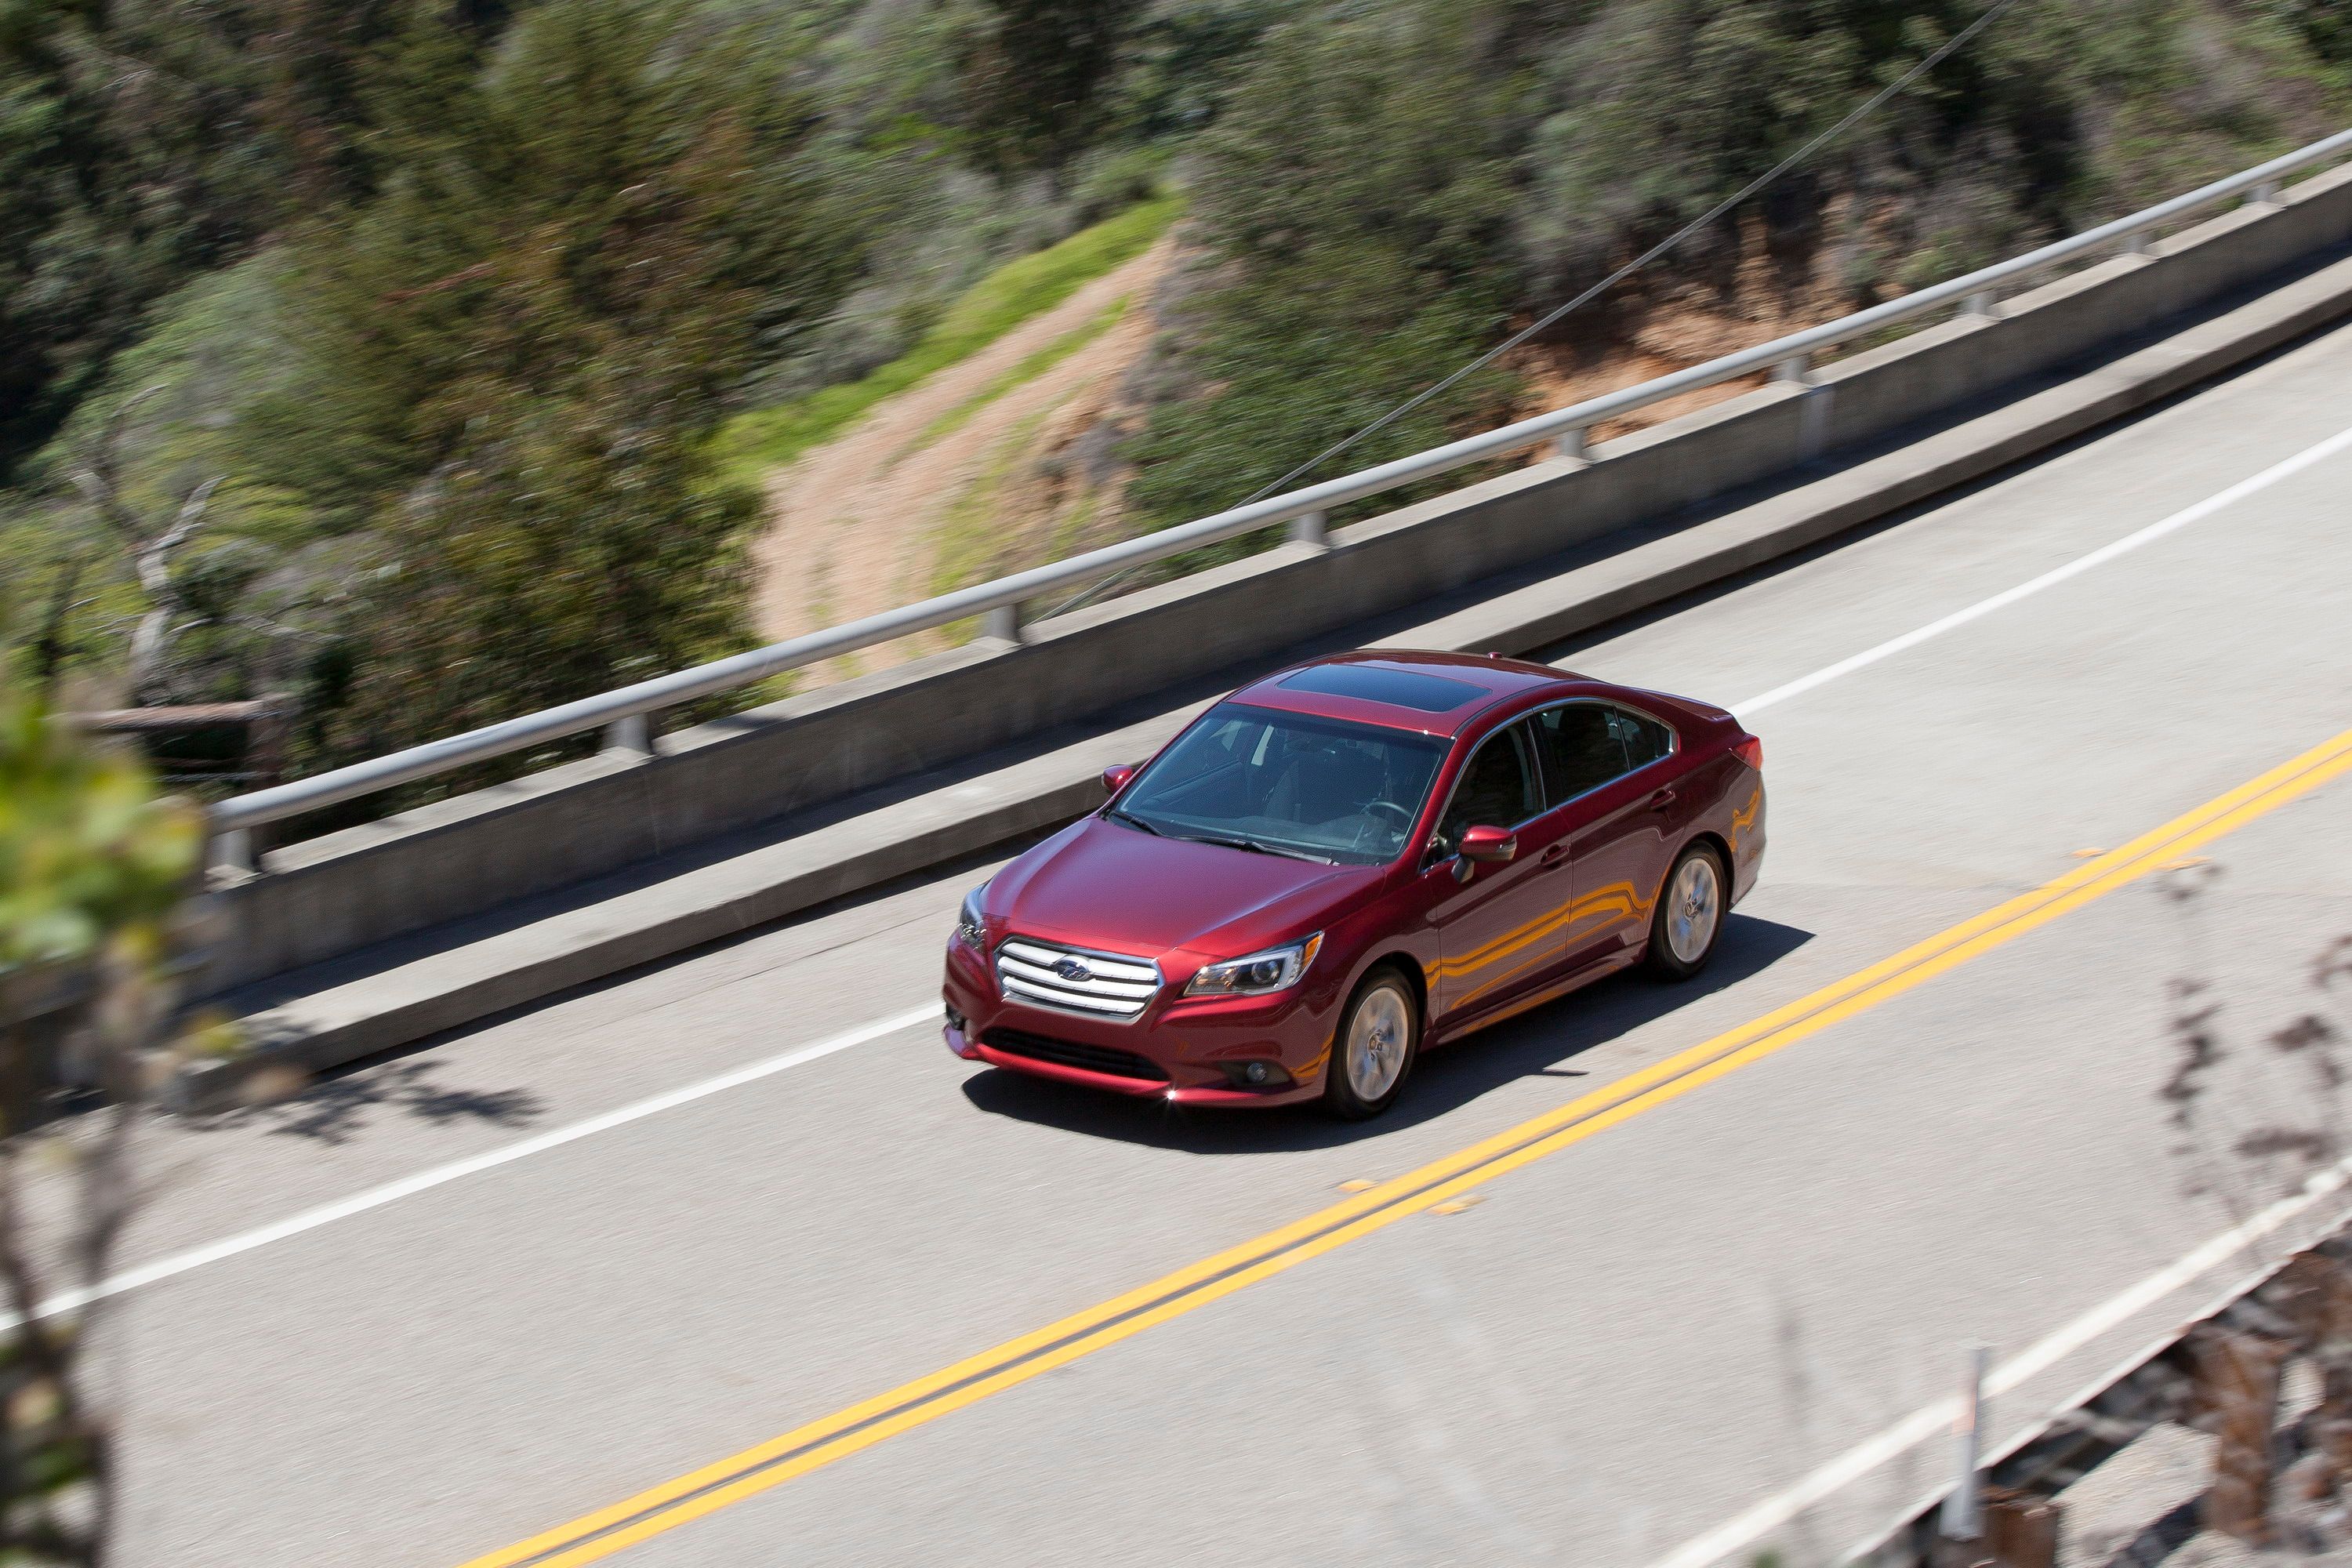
<point>1071,1054</point>
<point>1098,985</point>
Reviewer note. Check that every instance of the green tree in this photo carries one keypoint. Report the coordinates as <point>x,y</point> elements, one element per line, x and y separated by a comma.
<point>1182,58</point>
<point>92,870</point>
<point>2326,23</point>
<point>516,353</point>
<point>1354,204</point>
<point>143,142</point>
<point>1038,75</point>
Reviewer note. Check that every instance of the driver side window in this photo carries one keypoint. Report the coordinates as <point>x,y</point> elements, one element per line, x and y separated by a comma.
<point>1498,789</point>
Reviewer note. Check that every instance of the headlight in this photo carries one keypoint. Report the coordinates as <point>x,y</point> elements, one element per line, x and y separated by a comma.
<point>1275,969</point>
<point>969,924</point>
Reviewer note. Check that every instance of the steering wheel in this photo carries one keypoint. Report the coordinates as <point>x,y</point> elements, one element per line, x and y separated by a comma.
<point>1389,809</point>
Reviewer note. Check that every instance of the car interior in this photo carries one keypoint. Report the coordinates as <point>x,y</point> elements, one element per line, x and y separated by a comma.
<point>1343,791</point>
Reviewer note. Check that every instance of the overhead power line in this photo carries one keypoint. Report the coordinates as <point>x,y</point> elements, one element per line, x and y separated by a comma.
<point>1878,100</point>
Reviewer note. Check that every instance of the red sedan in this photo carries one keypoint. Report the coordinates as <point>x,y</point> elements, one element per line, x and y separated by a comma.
<point>1347,861</point>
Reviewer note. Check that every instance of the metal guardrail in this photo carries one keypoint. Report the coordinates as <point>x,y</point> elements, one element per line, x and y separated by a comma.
<point>622,713</point>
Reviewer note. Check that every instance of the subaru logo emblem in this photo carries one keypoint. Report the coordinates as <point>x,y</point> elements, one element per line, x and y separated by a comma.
<point>1072,969</point>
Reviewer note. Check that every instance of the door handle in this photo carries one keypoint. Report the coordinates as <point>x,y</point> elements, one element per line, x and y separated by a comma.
<point>1553,854</point>
<point>1662,799</point>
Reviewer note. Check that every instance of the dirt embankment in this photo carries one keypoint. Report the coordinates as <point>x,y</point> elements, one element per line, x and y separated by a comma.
<point>936,487</point>
<point>1688,325</point>
<point>1006,459</point>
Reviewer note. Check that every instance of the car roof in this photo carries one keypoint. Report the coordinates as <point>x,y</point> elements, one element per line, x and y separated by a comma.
<point>1402,688</point>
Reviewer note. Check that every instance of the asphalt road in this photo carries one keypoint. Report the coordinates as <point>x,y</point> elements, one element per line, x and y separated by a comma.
<point>1623,1345</point>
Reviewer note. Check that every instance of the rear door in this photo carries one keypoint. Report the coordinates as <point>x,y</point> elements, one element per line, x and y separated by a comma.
<point>1607,767</point>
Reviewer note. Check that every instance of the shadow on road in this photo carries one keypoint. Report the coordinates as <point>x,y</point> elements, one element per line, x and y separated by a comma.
<point>1541,1043</point>
<point>334,1109</point>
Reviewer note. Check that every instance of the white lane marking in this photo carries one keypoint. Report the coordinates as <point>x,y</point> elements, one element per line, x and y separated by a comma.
<point>408,1186</point>
<point>1849,1467</point>
<point>310,1219</point>
<point>2204,509</point>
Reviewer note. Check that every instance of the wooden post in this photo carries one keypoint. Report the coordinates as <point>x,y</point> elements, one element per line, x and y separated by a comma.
<point>2020,1528</point>
<point>266,737</point>
<point>2238,1392</point>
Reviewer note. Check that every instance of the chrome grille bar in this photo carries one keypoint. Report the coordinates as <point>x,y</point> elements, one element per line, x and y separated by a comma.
<point>1101,985</point>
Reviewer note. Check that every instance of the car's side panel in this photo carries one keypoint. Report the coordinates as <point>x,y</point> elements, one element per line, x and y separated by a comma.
<point>1497,929</point>
<point>1725,801</point>
<point>1616,846</point>
<point>1499,934</point>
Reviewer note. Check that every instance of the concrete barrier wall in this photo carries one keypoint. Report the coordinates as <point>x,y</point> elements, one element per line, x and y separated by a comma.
<point>332,895</point>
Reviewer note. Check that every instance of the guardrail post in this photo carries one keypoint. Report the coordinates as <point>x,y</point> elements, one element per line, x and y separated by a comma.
<point>632,734</point>
<point>2263,195</point>
<point>1963,1518</point>
<point>1570,446</point>
<point>1003,624</point>
<point>1310,528</point>
<point>2138,243</point>
<point>1796,370</point>
<point>1983,303</point>
<point>231,851</point>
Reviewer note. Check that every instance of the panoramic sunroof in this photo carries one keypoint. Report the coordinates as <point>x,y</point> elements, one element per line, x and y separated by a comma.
<point>1372,683</point>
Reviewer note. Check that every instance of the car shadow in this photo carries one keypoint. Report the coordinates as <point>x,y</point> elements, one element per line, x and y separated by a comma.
<point>1541,1043</point>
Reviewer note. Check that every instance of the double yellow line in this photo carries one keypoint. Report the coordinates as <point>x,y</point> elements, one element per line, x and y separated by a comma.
<point>821,1442</point>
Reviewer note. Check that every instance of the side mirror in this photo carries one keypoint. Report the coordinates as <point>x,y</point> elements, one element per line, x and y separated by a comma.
<point>1114,777</point>
<point>1494,845</point>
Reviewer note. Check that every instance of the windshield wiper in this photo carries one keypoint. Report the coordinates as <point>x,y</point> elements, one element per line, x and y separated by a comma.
<point>1256,846</point>
<point>1132,821</point>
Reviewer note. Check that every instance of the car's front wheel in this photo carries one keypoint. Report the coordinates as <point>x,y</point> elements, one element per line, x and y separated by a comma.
<point>1689,916</point>
<point>1378,1037</point>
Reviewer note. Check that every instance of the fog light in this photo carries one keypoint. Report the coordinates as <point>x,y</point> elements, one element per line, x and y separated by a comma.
<point>955,1021</point>
<point>1255,1075</point>
<point>1256,1072</point>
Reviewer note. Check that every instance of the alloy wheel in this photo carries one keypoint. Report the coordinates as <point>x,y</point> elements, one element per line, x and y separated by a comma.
<point>1694,907</point>
<point>1378,1034</point>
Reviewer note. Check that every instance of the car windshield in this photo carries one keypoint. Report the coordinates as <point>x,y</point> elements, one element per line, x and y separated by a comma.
<point>1285,783</point>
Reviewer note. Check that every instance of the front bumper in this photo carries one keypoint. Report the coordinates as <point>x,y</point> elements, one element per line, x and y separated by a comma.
<point>1192,1045</point>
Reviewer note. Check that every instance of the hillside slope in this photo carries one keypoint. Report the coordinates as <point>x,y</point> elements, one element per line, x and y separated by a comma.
<point>914,497</point>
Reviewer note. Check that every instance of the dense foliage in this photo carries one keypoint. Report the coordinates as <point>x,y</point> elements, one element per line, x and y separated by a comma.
<point>511,361</point>
<point>1392,187</point>
<point>1359,195</point>
<point>1038,76</point>
<point>420,315</point>
<point>143,142</point>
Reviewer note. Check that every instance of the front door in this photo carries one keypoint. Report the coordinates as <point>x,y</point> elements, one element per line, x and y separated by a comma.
<point>1499,931</point>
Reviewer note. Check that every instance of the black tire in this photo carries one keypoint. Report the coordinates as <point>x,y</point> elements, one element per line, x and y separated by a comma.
<point>1679,950</point>
<point>1387,991</point>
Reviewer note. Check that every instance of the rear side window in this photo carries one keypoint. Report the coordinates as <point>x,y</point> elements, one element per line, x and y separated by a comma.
<point>1498,789</point>
<point>1646,739</point>
<point>1582,749</point>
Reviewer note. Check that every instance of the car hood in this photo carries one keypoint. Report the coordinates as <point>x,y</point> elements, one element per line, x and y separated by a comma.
<point>1119,889</point>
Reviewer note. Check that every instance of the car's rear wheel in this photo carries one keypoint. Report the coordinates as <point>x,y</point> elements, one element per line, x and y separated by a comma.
<point>1689,916</point>
<point>1373,1050</point>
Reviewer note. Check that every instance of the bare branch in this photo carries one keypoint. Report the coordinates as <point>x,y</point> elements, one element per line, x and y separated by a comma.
<point>99,477</point>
